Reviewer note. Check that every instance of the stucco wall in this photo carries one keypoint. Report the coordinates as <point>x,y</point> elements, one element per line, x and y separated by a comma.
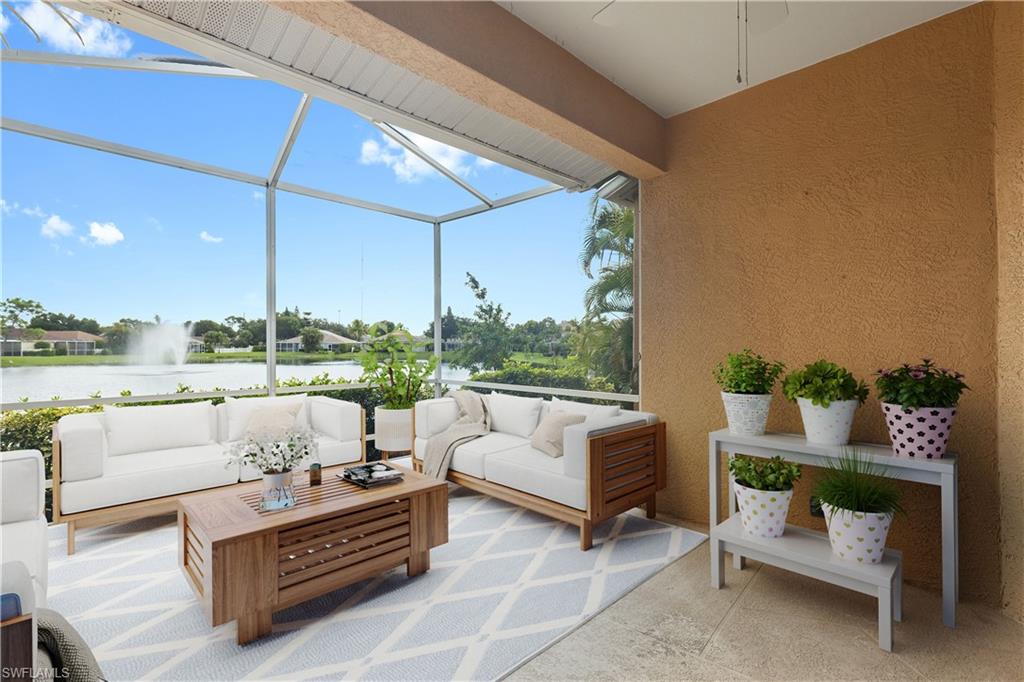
<point>842,211</point>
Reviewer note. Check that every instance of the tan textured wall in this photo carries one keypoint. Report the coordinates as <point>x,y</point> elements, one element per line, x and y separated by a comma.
<point>1009,186</point>
<point>846,211</point>
<point>492,57</point>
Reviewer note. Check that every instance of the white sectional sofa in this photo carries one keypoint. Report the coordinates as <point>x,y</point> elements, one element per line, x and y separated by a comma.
<point>130,462</point>
<point>23,518</point>
<point>613,461</point>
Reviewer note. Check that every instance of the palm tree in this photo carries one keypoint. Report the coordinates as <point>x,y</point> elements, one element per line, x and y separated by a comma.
<point>607,258</point>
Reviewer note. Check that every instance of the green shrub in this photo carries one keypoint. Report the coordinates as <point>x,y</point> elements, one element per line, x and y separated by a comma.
<point>823,383</point>
<point>525,374</point>
<point>747,372</point>
<point>857,484</point>
<point>923,385</point>
<point>765,474</point>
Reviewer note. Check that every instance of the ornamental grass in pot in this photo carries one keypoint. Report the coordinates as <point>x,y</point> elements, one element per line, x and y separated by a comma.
<point>919,403</point>
<point>747,380</point>
<point>859,505</point>
<point>764,489</point>
<point>828,396</point>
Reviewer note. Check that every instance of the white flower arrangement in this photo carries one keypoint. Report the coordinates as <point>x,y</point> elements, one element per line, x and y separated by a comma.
<point>275,454</point>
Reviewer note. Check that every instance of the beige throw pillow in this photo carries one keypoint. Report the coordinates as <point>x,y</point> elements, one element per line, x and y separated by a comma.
<point>548,436</point>
<point>272,421</point>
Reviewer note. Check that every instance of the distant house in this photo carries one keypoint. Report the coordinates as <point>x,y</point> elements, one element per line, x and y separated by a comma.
<point>196,345</point>
<point>75,342</point>
<point>329,341</point>
<point>419,342</point>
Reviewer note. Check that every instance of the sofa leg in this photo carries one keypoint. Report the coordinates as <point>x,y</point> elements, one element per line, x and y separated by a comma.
<point>651,507</point>
<point>71,537</point>
<point>586,536</point>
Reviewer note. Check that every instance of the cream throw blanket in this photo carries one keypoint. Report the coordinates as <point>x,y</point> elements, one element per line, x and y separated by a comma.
<point>474,421</point>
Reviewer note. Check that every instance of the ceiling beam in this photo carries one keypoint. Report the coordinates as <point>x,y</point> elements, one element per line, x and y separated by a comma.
<point>298,118</point>
<point>357,203</point>
<point>500,203</point>
<point>185,68</point>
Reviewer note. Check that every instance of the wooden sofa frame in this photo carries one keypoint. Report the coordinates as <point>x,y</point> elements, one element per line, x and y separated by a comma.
<point>133,510</point>
<point>625,469</point>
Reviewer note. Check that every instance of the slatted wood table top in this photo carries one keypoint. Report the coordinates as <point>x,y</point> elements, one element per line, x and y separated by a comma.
<point>233,512</point>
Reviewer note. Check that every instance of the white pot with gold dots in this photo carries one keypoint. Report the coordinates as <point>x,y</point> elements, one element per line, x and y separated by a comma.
<point>762,512</point>
<point>856,536</point>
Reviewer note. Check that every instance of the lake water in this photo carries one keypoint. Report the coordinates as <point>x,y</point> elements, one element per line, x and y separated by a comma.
<point>80,381</point>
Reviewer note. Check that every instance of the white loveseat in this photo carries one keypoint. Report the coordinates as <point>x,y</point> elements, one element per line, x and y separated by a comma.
<point>129,462</point>
<point>613,461</point>
<point>22,517</point>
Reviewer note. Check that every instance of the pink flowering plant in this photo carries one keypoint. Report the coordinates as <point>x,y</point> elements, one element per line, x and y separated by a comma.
<point>923,385</point>
<point>275,454</point>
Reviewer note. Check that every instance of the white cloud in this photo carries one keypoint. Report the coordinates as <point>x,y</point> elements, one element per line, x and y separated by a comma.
<point>33,212</point>
<point>105,234</point>
<point>4,23</point>
<point>55,227</point>
<point>410,168</point>
<point>6,207</point>
<point>209,238</point>
<point>101,39</point>
<point>258,195</point>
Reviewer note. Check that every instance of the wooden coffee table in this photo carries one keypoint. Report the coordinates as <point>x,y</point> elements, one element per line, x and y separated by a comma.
<point>244,564</point>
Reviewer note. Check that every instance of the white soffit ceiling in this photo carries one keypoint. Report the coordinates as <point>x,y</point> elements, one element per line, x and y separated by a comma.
<point>275,45</point>
<point>676,56</point>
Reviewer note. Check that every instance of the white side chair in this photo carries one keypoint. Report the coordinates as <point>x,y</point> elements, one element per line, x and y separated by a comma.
<point>23,535</point>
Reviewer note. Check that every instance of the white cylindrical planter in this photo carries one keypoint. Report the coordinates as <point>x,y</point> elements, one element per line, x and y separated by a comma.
<point>392,429</point>
<point>856,536</point>
<point>746,413</point>
<point>828,425</point>
<point>762,512</point>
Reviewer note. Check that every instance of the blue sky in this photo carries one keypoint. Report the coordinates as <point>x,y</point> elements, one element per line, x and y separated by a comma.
<point>107,237</point>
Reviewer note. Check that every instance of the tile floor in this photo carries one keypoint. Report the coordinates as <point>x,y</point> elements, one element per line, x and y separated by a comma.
<point>768,624</point>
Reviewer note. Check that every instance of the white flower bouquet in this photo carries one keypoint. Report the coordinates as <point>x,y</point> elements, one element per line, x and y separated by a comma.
<point>275,454</point>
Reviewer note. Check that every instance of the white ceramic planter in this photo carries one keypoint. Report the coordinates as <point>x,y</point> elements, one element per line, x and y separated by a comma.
<point>762,512</point>
<point>392,429</point>
<point>278,492</point>
<point>857,536</point>
<point>828,425</point>
<point>747,413</point>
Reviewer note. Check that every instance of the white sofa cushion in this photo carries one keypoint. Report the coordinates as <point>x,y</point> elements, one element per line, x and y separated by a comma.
<point>534,472</point>
<point>434,416</point>
<point>514,415</point>
<point>27,542</point>
<point>591,412</point>
<point>22,488</point>
<point>83,445</point>
<point>337,419</point>
<point>158,427</point>
<point>332,453</point>
<point>239,410</point>
<point>469,457</point>
<point>147,475</point>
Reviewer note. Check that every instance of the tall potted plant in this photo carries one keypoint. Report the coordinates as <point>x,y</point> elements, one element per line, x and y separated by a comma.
<point>828,396</point>
<point>746,380</point>
<point>393,372</point>
<point>859,506</point>
<point>919,403</point>
<point>764,489</point>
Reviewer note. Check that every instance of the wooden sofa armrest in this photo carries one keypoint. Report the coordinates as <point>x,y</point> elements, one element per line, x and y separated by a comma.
<point>624,470</point>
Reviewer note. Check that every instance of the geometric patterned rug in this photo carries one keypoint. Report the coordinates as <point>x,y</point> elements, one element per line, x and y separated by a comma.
<point>507,585</point>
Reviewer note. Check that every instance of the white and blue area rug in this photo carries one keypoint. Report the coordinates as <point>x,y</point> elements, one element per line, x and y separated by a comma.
<point>507,585</point>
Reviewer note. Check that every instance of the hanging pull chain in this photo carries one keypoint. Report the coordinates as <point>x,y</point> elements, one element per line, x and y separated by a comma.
<point>739,77</point>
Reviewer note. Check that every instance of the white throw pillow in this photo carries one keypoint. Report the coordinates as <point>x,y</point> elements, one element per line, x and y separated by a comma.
<point>591,412</point>
<point>272,421</point>
<point>158,427</point>
<point>239,411</point>
<point>549,436</point>
<point>514,415</point>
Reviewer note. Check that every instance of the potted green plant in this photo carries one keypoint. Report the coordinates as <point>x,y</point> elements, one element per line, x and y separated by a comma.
<point>747,380</point>
<point>919,403</point>
<point>393,372</point>
<point>276,455</point>
<point>859,505</point>
<point>828,395</point>
<point>764,489</point>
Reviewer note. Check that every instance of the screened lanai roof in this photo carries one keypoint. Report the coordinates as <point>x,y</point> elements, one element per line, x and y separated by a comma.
<point>268,42</point>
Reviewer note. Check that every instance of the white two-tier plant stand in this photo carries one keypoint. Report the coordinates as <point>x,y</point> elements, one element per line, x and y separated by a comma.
<point>808,552</point>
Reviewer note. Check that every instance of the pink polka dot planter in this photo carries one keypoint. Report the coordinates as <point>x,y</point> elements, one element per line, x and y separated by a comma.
<point>762,512</point>
<point>921,432</point>
<point>856,536</point>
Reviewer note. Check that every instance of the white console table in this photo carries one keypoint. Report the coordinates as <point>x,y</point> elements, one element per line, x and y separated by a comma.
<point>795,448</point>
